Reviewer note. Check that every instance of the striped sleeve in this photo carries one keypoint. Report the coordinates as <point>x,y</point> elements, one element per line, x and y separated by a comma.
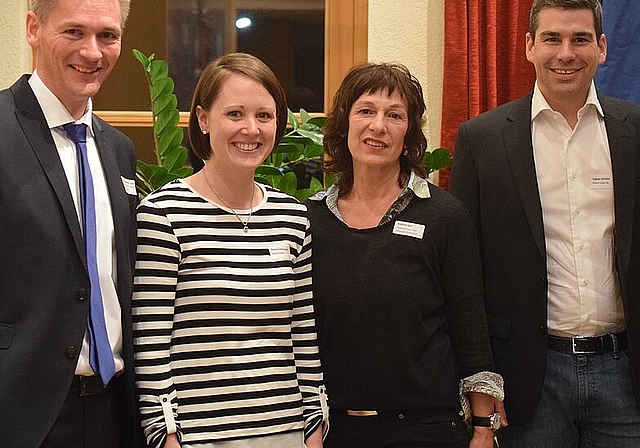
<point>158,257</point>
<point>305,345</point>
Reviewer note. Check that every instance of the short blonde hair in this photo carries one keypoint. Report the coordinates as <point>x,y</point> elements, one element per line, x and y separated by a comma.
<point>41,8</point>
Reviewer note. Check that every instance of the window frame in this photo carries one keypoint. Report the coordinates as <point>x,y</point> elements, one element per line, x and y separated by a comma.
<point>346,40</point>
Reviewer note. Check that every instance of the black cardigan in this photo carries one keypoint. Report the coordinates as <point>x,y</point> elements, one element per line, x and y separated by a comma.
<point>400,318</point>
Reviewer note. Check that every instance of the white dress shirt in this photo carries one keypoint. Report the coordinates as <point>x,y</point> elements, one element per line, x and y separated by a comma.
<point>57,115</point>
<point>575,181</point>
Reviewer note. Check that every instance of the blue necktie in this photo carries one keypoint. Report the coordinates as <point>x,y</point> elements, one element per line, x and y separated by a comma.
<point>100,355</point>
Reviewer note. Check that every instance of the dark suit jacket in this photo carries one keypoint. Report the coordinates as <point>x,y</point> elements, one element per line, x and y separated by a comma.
<point>494,175</point>
<point>43,269</point>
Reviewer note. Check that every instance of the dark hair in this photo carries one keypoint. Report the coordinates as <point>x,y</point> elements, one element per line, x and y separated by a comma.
<point>371,78</point>
<point>208,89</point>
<point>538,5</point>
<point>41,8</point>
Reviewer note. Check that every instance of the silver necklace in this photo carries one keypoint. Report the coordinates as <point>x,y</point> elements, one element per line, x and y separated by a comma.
<point>245,224</point>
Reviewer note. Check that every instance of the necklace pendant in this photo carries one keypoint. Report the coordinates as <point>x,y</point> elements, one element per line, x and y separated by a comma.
<point>246,229</point>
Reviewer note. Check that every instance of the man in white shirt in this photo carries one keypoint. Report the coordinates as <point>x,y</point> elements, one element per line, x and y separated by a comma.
<point>551,183</point>
<point>66,263</point>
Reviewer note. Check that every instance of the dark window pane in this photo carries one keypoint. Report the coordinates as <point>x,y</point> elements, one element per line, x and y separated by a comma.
<point>288,35</point>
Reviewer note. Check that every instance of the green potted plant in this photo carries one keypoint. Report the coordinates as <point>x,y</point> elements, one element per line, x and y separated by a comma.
<point>294,166</point>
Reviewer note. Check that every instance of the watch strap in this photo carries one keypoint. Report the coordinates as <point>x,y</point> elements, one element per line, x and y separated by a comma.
<point>493,421</point>
<point>481,421</point>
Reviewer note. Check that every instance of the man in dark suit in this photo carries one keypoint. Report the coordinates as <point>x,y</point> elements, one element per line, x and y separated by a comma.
<point>52,392</point>
<point>551,181</point>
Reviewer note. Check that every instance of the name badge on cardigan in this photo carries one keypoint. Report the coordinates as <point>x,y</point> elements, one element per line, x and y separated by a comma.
<point>411,229</point>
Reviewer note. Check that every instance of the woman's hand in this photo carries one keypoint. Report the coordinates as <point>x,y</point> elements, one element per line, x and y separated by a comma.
<point>484,405</point>
<point>482,438</point>
<point>315,439</point>
<point>498,406</point>
<point>172,441</point>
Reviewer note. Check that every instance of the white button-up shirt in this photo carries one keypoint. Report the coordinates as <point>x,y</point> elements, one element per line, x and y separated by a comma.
<point>57,115</point>
<point>575,181</point>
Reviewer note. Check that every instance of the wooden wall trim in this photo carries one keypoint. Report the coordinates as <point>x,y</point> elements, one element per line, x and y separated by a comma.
<point>135,119</point>
<point>346,40</point>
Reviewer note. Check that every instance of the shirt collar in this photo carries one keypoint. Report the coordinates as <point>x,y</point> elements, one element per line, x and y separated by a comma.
<point>417,184</point>
<point>539,103</point>
<point>54,111</point>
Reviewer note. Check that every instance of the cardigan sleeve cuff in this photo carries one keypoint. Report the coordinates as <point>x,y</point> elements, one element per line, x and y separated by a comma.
<point>489,383</point>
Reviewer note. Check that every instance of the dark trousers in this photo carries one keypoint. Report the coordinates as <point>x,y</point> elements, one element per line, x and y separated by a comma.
<point>396,429</point>
<point>89,421</point>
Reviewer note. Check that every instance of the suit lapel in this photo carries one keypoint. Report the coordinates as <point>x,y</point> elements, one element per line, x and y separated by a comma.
<point>34,126</point>
<point>519,150</point>
<point>117,196</point>
<point>623,145</point>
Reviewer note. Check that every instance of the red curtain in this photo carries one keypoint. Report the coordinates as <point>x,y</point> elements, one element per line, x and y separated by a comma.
<point>484,61</point>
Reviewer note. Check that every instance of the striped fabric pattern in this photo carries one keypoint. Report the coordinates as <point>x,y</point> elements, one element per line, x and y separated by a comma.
<point>224,332</point>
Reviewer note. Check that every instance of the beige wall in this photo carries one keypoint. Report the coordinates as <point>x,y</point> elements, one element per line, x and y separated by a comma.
<point>15,53</point>
<point>411,32</point>
<point>406,31</point>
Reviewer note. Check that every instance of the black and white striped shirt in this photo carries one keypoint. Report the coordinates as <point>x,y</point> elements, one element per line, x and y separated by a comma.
<point>224,332</point>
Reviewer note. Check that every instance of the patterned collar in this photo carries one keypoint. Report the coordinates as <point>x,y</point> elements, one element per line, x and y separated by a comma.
<point>417,186</point>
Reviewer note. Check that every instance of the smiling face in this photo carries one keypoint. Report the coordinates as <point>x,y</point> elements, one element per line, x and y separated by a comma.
<point>241,124</point>
<point>77,47</point>
<point>378,123</point>
<point>566,53</point>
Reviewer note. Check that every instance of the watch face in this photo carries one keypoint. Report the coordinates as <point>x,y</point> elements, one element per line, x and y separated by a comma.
<point>496,420</point>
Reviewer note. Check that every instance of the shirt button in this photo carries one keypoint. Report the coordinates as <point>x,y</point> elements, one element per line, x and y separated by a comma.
<point>400,416</point>
<point>82,295</point>
<point>70,352</point>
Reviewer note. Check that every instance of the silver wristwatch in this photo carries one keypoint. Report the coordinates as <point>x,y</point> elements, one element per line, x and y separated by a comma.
<point>493,421</point>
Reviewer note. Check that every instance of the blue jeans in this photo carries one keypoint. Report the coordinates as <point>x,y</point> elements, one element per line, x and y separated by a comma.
<point>586,402</point>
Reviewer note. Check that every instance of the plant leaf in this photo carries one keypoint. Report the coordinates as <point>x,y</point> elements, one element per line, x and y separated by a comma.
<point>289,183</point>
<point>159,69</point>
<point>144,60</point>
<point>441,158</point>
<point>304,116</point>
<point>169,140</point>
<point>268,170</point>
<point>162,86</point>
<point>166,119</point>
<point>164,102</point>
<point>293,122</point>
<point>177,159</point>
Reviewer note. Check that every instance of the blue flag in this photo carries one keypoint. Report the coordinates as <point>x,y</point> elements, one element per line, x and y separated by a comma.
<point>619,76</point>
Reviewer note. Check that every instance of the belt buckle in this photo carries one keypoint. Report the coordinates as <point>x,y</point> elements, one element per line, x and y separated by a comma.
<point>575,351</point>
<point>359,413</point>
<point>90,385</point>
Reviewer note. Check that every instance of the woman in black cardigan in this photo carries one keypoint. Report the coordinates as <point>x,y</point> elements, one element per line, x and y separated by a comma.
<point>397,283</point>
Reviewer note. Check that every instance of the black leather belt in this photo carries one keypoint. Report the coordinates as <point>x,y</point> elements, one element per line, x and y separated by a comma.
<point>87,385</point>
<point>583,345</point>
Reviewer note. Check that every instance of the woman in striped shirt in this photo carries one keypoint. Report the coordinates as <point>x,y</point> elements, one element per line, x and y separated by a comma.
<point>225,342</point>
